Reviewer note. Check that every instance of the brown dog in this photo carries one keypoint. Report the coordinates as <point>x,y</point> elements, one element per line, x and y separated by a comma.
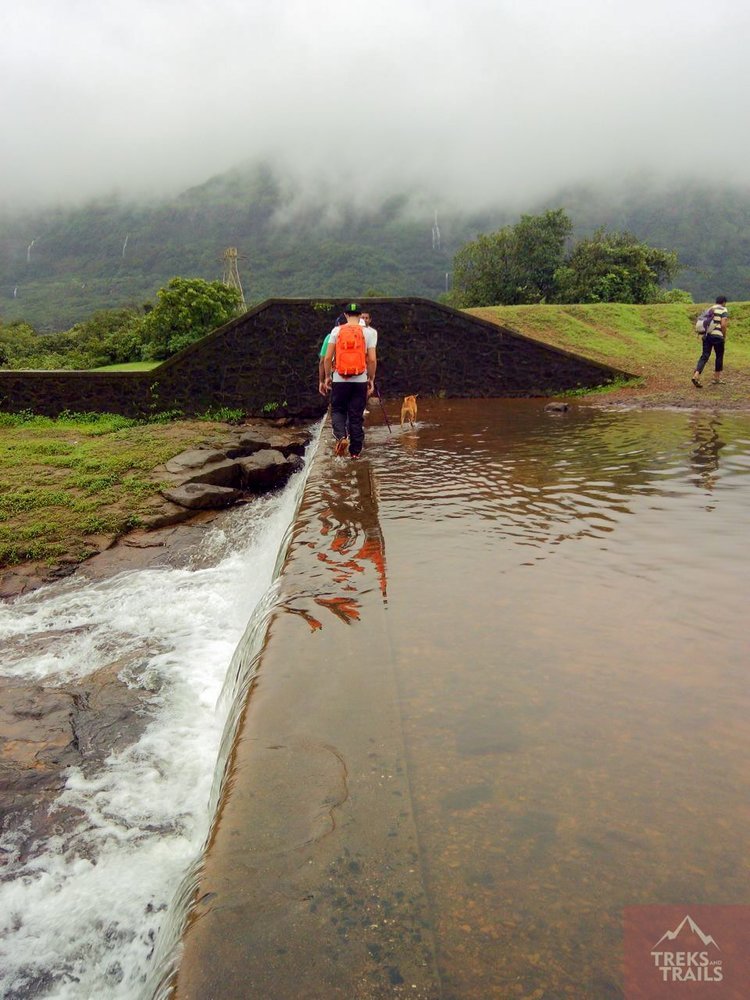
<point>409,410</point>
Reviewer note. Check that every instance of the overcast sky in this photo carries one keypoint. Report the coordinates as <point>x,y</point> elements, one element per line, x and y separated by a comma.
<point>482,100</point>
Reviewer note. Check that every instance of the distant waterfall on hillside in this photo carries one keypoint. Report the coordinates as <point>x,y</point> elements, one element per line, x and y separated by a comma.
<point>436,234</point>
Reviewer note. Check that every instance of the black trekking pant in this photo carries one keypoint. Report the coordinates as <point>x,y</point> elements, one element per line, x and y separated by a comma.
<point>348,401</point>
<point>717,343</point>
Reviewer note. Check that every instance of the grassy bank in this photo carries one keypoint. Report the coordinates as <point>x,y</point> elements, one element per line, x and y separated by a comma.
<point>655,342</point>
<point>65,483</point>
<point>129,366</point>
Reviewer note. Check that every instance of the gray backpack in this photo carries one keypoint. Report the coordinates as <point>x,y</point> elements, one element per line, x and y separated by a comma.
<point>704,321</point>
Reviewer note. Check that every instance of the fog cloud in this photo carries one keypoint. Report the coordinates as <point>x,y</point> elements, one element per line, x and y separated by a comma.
<point>480,100</point>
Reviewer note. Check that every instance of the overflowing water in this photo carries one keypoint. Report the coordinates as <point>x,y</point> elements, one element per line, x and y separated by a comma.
<point>81,918</point>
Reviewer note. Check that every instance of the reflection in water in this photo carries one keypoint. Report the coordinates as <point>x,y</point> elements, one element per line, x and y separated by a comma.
<point>351,544</point>
<point>705,456</point>
<point>576,721</point>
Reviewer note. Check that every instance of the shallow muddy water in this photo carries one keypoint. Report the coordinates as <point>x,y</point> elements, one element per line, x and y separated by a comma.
<point>567,605</point>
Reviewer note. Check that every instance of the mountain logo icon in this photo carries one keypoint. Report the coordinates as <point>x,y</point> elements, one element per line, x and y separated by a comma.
<point>688,931</point>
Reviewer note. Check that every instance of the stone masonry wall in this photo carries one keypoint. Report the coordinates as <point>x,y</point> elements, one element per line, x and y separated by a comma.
<point>266,362</point>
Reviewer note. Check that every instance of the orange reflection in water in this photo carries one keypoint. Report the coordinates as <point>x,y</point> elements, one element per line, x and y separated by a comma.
<point>349,545</point>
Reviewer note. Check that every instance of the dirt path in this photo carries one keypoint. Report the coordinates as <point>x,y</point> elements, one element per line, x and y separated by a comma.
<point>669,388</point>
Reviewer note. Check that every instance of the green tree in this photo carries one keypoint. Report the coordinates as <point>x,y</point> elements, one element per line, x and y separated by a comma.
<point>540,248</point>
<point>18,341</point>
<point>186,310</point>
<point>110,336</point>
<point>673,295</point>
<point>514,265</point>
<point>614,267</point>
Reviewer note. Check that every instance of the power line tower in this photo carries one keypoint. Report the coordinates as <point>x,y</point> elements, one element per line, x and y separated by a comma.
<point>232,275</point>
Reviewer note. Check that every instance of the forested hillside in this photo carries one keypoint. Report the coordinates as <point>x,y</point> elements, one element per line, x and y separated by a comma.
<point>57,267</point>
<point>109,253</point>
<point>709,227</point>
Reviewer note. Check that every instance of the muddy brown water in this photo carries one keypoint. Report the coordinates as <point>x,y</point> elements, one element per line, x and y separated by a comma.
<point>509,681</point>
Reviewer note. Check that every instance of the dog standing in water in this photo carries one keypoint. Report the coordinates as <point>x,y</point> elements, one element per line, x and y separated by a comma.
<point>409,410</point>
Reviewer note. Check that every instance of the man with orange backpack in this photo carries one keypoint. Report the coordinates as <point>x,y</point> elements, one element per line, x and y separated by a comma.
<point>349,369</point>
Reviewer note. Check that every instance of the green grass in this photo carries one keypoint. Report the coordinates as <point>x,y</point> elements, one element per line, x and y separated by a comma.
<point>130,366</point>
<point>87,423</point>
<point>64,480</point>
<point>638,339</point>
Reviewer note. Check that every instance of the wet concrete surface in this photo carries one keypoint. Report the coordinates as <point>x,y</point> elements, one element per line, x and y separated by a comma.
<point>312,884</point>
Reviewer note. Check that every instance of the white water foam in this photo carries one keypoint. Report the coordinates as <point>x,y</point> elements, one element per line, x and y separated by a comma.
<point>80,921</point>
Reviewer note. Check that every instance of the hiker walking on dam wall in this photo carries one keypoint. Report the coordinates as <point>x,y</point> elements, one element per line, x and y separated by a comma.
<point>714,339</point>
<point>349,374</point>
<point>364,320</point>
<point>323,348</point>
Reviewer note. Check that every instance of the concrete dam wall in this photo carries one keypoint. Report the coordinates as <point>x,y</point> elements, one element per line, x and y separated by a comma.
<point>265,362</point>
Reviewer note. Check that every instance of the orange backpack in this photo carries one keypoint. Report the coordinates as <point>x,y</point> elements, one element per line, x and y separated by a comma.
<point>350,350</point>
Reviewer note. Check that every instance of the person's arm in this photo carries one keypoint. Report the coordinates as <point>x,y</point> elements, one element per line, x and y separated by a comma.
<point>322,366</point>
<point>724,324</point>
<point>328,365</point>
<point>372,364</point>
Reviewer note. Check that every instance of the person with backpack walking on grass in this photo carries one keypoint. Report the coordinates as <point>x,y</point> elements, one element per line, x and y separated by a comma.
<point>349,374</point>
<point>714,325</point>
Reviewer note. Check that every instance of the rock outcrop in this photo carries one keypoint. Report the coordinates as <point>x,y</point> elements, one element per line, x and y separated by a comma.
<point>249,461</point>
<point>44,730</point>
<point>202,496</point>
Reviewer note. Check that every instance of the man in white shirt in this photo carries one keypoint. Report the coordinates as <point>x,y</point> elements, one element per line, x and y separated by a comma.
<point>351,387</point>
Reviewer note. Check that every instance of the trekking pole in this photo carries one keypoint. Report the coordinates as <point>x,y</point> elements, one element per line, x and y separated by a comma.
<point>377,393</point>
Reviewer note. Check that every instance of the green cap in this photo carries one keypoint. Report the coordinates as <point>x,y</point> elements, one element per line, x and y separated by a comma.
<point>352,309</point>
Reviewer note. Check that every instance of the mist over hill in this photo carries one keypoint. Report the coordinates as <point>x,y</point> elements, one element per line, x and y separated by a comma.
<point>57,266</point>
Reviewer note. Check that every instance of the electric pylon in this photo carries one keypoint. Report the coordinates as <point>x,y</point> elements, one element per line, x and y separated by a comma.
<point>232,275</point>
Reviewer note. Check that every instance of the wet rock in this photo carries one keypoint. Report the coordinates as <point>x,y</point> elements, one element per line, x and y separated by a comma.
<point>288,442</point>
<point>45,729</point>
<point>226,473</point>
<point>165,515</point>
<point>194,458</point>
<point>16,648</point>
<point>202,496</point>
<point>62,570</point>
<point>173,546</point>
<point>144,542</point>
<point>267,469</point>
<point>556,407</point>
<point>13,583</point>
<point>37,733</point>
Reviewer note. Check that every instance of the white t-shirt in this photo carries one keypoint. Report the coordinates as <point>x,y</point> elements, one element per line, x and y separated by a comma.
<point>371,340</point>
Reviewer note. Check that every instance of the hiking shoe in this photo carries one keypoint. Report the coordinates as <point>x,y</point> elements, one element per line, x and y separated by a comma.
<point>354,456</point>
<point>696,382</point>
<point>718,381</point>
<point>342,446</point>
